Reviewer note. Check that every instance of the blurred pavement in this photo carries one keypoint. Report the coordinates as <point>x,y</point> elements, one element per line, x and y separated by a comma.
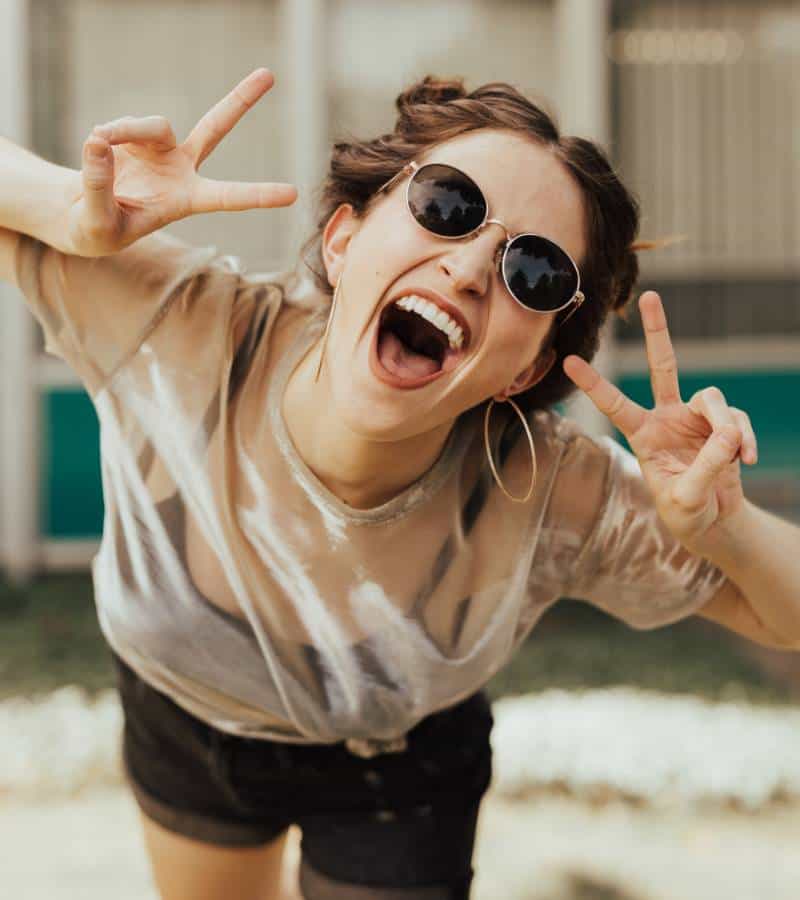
<point>90,848</point>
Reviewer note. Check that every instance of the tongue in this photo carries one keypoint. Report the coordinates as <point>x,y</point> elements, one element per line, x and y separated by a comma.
<point>401,360</point>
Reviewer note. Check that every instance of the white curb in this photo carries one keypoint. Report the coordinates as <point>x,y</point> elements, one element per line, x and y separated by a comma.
<point>647,746</point>
<point>619,742</point>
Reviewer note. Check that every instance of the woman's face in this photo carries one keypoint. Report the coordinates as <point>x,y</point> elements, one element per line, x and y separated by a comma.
<point>387,254</point>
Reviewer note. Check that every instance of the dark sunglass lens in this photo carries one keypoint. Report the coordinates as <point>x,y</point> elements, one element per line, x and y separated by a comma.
<point>539,273</point>
<point>445,201</point>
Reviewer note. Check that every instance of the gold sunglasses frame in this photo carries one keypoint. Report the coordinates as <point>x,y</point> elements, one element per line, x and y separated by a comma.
<point>412,168</point>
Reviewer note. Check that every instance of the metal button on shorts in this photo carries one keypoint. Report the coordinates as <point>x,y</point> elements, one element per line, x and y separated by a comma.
<point>369,747</point>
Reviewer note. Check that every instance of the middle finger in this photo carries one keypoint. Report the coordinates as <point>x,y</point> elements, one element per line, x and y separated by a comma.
<point>660,353</point>
<point>221,118</point>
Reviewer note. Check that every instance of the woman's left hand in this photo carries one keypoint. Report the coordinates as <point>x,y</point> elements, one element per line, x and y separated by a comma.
<point>689,452</point>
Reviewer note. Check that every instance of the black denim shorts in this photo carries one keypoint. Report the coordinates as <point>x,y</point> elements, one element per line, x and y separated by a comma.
<point>396,825</point>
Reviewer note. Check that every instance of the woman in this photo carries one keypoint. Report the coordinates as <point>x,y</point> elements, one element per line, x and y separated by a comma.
<point>319,542</point>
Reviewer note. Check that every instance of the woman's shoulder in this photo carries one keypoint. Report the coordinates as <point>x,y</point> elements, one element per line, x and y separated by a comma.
<point>296,290</point>
<point>275,308</point>
<point>296,298</point>
<point>581,464</point>
<point>555,428</point>
<point>571,435</point>
<point>281,296</point>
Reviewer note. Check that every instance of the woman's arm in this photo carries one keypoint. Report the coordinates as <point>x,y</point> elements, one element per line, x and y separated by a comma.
<point>135,179</point>
<point>34,198</point>
<point>690,457</point>
<point>760,554</point>
<point>8,253</point>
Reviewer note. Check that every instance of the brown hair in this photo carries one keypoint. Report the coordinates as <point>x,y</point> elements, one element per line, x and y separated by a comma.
<point>435,110</point>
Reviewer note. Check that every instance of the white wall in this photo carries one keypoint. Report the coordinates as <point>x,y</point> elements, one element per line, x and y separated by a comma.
<point>178,58</point>
<point>710,104</point>
<point>377,49</point>
<point>18,406</point>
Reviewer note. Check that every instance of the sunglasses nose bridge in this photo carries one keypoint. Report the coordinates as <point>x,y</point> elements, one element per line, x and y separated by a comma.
<point>506,232</point>
<point>468,270</point>
<point>498,255</point>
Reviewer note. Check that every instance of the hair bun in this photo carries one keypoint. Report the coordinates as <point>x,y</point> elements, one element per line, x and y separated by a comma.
<point>431,90</point>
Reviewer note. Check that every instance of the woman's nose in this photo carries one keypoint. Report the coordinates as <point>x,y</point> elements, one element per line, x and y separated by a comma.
<point>471,261</point>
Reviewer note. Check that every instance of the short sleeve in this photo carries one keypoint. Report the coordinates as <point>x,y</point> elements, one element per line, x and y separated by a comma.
<point>96,312</point>
<point>630,565</point>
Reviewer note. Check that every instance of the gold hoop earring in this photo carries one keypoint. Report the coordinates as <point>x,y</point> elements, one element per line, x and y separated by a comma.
<point>489,452</point>
<point>327,326</point>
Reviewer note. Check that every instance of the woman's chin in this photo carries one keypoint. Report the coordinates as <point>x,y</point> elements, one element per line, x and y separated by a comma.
<point>366,406</point>
<point>367,412</point>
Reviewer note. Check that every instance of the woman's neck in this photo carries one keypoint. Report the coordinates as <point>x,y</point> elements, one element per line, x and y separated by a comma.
<point>361,473</point>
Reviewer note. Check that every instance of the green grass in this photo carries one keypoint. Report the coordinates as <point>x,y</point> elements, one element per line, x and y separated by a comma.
<point>575,646</point>
<point>49,636</point>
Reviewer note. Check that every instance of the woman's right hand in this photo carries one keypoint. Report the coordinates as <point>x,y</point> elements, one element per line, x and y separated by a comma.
<point>136,178</point>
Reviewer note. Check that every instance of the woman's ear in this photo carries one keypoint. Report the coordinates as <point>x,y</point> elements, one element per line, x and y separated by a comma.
<point>532,374</point>
<point>341,227</point>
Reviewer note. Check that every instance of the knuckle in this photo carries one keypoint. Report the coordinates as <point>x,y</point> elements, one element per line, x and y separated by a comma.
<point>712,392</point>
<point>100,237</point>
<point>95,180</point>
<point>98,229</point>
<point>668,364</point>
<point>741,415</point>
<point>217,126</point>
<point>239,95</point>
<point>617,404</point>
<point>683,500</point>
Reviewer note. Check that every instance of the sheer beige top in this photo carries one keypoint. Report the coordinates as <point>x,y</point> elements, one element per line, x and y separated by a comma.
<point>230,578</point>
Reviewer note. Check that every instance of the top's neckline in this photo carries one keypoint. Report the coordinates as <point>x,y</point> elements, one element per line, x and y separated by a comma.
<point>399,505</point>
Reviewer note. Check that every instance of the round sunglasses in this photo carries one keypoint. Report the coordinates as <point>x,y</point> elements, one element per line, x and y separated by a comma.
<point>445,201</point>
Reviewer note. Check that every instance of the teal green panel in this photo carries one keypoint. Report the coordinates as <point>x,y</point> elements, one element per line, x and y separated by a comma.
<point>71,490</point>
<point>770,398</point>
<point>72,499</point>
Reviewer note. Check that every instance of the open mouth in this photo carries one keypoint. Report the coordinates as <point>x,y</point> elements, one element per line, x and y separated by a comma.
<point>409,351</point>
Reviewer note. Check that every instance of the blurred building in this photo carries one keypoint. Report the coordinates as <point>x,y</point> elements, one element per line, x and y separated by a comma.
<point>697,102</point>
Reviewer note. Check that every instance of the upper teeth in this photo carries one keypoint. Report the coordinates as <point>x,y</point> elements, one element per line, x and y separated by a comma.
<point>436,316</point>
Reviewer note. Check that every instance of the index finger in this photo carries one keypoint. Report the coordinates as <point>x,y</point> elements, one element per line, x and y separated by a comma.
<point>221,118</point>
<point>232,196</point>
<point>626,415</point>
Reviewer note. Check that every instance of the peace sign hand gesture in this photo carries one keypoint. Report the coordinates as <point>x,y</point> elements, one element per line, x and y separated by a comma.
<point>688,452</point>
<point>136,178</point>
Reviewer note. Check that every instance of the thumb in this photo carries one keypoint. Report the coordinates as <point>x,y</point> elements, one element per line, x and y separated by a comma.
<point>719,451</point>
<point>98,182</point>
